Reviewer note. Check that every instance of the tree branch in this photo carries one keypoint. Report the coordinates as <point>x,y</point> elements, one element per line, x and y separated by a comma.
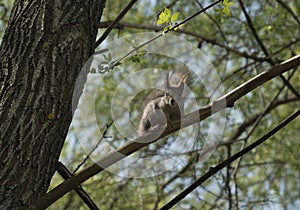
<point>285,6</point>
<point>253,30</point>
<point>66,174</point>
<point>140,142</point>
<point>264,49</point>
<point>95,147</point>
<point>191,33</point>
<point>112,25</point>
<point>273,104</point>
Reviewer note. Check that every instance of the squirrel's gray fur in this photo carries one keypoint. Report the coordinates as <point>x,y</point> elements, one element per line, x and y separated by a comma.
<point>164,106</point>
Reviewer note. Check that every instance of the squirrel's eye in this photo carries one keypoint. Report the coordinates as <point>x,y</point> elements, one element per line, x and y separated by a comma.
<point>167,94</point>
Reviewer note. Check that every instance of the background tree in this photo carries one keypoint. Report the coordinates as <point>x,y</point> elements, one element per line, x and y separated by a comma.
<point>256,36</point>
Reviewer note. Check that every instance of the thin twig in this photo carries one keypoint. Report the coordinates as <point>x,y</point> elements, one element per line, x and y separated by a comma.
<point>95,147</point>
<point>214,21</point>
<point>191,33</point>
<point>227,179</point>
<point>264,49</point>
<point>253,30</point>
<point>112,25</point>
<point>258,119</point>
<point>135,49</point>
<point>285,6</point>
<point>66,174</point>
<point>194,15</point>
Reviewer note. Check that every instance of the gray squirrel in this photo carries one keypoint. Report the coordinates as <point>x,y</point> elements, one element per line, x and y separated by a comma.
<point>164,106</point>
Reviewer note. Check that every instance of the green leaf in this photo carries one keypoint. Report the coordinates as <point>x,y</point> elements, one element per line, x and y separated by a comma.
<point>226,11</point>
<point>164,16</point>
<point>268,28</point>
<point>167,12</point>
<point>174,17</point>
<point>227,4</point>
<point>160,21</point>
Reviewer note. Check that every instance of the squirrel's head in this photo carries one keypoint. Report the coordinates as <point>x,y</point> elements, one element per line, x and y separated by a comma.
<point>169,100</point>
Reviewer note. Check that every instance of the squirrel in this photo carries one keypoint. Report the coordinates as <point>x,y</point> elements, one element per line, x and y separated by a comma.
<point>164,106</point>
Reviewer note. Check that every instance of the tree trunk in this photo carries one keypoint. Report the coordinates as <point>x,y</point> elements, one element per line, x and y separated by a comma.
<point>42,52</point>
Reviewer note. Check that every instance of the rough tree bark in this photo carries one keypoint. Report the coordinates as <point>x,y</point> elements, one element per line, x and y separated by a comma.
<point>43,49</point>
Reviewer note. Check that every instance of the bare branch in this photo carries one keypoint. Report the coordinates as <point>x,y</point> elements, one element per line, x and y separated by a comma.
<point>291,43</point>
<point>191,33</point>
<point>255,118</point>
<point>251,26</point>
<point>255,125</point>
<point>95,147</point>
<point>66,174</point>
<point>285,6</point>
<point>252,120</point>
<point>214,21</point>
<point>264,49</point>
<point>111,26</point>
<point>194,15</point>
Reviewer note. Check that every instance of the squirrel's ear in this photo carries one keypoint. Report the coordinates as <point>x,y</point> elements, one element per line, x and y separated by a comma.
<point>180,86</point>
<point>167,82</point>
